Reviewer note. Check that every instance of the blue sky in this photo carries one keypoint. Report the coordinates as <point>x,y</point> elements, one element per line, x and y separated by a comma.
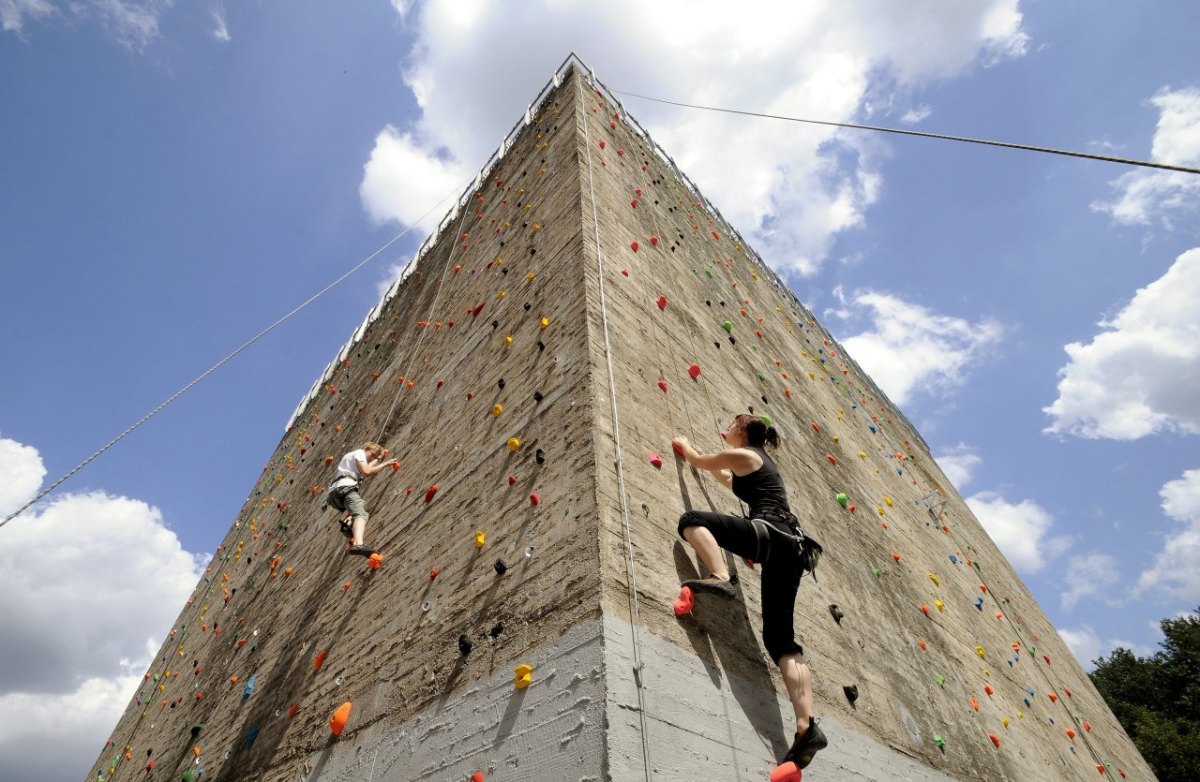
<point>177,176</point>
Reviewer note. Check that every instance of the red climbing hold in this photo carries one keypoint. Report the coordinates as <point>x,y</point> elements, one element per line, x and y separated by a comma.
<point>633,203</point>
<point>477,309</point>
<point>319,660</point>
<point>512,479</point>
<point>534,499</point>
<point>787,772</point>
<point>654,241</point>
<point>995,739</point>
<point>815,427</point>
<point>685,602</point>
<point>694,371</point>
<point>625,272</point>
<point>663,385</point>
<point>832,459</point>
<point>430,492</point>
<point>602,144</point>
<point>633,246</point>
<point>433,573</point>
<point>661,302</point>
<point>656,460</point>
<point>477,776</point>
<point>677,448</point>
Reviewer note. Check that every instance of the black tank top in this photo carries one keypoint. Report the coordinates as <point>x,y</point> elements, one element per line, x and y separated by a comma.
<point>762,488</point>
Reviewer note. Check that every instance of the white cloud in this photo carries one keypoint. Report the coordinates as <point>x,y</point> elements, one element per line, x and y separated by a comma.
<point>1089,575</point>
<point>89,586</point>
<point>134,23</point>
<point>1087,646</point>
<point>1141,375</point>
<point>14,12</point>
<point>915,115</point>
<point>21,473</point>
<point>911,349</point>
<point>404,178</point>
<point>794,188</point>
<point>959,463</point>
<point>1176,569</point>
<point>221,30</point>
<point>1147,195</point>
<point>1021,530</point>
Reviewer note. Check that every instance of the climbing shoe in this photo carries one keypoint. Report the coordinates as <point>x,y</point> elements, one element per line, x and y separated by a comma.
<point>713,585</point>
<point>347,528</point>
<point>361,550</point>
<point>804,748</point>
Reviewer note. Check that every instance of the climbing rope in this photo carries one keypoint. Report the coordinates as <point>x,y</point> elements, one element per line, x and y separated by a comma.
<point>922,134</point>
<point>218,365</point>
<point>630,570</point>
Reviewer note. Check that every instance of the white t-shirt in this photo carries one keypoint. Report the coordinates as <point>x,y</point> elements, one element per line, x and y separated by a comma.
<point>348,474</point>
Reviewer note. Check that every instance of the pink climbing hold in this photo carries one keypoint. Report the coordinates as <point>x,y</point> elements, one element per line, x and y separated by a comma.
<point>656,460</point>
<point>661,302</point>
<point>602,144</point>
<point>633,203</point>
<point>633,246</point>
<point>694,371</point>
<point>625,272</point>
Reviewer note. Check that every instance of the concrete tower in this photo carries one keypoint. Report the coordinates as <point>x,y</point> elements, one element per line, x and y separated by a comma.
<point>524,369</point>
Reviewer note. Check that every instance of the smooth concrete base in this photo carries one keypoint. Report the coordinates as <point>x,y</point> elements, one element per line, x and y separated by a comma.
<point>552,730</point>
<point>703,724</point>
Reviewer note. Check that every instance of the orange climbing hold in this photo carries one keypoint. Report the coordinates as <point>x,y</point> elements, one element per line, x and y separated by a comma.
<point>319,660</point>
<point>995,740</point>
<point>1053,697</point>
<point>832,459</point>
<point>974,703</point>
<point>341,715</point>
<point>477,776</point>
<point>375,560</point>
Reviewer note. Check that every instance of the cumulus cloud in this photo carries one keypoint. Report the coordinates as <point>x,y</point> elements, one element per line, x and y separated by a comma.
<point>1145,196</point>
<point>21,473</point>
<point>1176,569</point>
<point>1021,530</point>
<point>1089,576</point>
<point>793,190</point>
<point>14,12</point>
<point>909,348</point>
<point>959,463</point>
<point>89,586</point>
<point>1141,374</point>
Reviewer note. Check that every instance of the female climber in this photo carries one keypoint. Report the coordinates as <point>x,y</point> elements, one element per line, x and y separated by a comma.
<point>343,493</point>
<point>771,537</point>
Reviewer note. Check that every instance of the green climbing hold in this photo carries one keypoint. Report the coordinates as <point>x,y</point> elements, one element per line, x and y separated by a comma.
<point>842,499</point>
<point>766,419</point>
<point>189,775</point>
<point>761,377</point>
<point>876,572</point>
<point>941,742</point>
<point>728,326</point>
<point>709,273</point>
<point>941,680</point>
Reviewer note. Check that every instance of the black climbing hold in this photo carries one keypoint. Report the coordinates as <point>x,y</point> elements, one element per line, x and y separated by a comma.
<point>541,345</point>
<point>464,644</point>
<point>708,302</point>
<point>528,306</point>
<point>836,612</point>
<point>851,691</point>
<point>732,340</point>
<point>196,730</point>
<point>501,568</point>
<point>764,398</point>
<point>537,396</point>
<point>495,324</point>
<point>540,456</point>
<point>501,383</point>
<point>750,408</point>
<point>504,270</point>
<point>717,344</point>
<point>496,630</point>
<point>721,303</point>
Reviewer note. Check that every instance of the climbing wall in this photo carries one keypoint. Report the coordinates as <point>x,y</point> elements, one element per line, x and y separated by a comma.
<point>581,305</point>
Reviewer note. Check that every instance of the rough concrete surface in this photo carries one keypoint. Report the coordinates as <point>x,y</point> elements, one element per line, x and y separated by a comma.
<point>314,627</point>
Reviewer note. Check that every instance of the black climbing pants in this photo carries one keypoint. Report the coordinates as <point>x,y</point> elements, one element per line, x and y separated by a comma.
<point>773,547</point>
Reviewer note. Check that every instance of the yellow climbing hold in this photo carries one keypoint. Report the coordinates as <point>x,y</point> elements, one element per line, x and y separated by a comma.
<point>497,409</point>
<point>862,454</point>
<point>523,676</point>
<point>480,539</point>
<point>934,579</point>
<point>529,277</point>
<point>544,322</point>
<point>887,501</point>
<point>940,605</point>
<point>501,294</point>
<point>508,340</point>
<point>979,651</point>
<point>514,443</point>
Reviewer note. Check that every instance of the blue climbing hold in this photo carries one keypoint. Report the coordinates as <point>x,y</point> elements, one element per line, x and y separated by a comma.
<point>246,693</point>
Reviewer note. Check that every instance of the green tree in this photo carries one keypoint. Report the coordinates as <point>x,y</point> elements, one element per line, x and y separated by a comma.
<point>1157,698</point>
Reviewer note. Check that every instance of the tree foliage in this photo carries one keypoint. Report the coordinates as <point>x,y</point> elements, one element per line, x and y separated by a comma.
<point>1157,698</point>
